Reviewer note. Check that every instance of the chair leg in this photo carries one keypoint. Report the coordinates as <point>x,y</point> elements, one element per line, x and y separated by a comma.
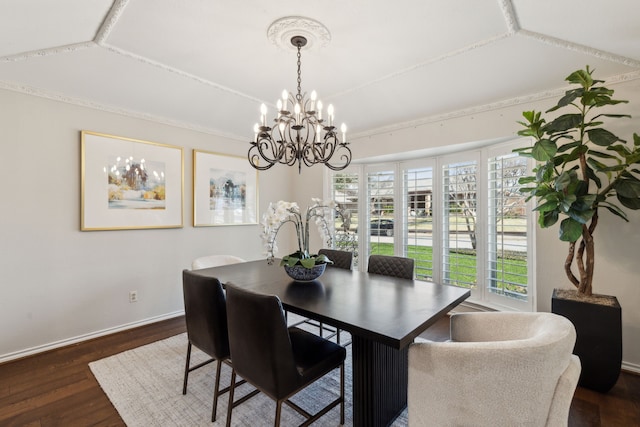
<point>232,388</point>
<point>216,391</point>
<point>186,369</point>
<point>342,394</point>
<point>276,422</point>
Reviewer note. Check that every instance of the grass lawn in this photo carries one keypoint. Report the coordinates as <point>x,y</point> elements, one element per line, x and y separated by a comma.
<point>462,267</point>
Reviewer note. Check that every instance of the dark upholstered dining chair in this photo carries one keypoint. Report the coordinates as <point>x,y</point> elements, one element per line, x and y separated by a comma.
<point>391,266</point>
<point>277,360</point>
<point>341,259</point>
<point>206,318</point>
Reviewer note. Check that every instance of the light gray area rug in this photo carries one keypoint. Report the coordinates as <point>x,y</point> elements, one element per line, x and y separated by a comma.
<point>145,386</point>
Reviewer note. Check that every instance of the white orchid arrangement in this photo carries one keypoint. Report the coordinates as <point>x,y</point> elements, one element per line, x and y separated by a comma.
<point>282,212</point>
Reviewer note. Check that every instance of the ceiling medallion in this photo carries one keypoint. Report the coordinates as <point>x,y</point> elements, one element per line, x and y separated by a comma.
<point>281,31</point>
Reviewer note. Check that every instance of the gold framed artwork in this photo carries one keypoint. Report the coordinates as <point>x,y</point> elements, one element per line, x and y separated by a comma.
<point>225,190</point>
<point>130,184</point>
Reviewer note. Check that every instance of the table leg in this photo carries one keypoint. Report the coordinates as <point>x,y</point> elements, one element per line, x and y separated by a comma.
<point>380,377</point>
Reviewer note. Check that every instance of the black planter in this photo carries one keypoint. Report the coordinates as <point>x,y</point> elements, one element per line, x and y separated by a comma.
<point>598,341</point>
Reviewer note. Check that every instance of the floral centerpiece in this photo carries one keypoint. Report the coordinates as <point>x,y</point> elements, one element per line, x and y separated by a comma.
<point>281,213</point>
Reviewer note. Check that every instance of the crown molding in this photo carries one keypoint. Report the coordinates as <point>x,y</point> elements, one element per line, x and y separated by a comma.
<point>29,90</point>
<point>554,93</point>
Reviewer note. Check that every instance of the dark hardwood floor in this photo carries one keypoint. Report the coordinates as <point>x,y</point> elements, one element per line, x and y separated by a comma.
<point>56,388</point>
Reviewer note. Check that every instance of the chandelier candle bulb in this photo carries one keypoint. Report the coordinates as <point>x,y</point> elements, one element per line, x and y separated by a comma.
<point>319,110</point>
<point>330,114</point>
<point>343,129</point>
<point>263,112</point>
<point>314,95</point>
<point>296,110</point>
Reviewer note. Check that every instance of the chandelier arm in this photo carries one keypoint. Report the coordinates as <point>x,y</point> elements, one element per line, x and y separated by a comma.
<point>346,157</point>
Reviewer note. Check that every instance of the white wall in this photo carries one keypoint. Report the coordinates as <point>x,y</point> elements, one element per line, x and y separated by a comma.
<point>59,283</point>
<point>617,269</point>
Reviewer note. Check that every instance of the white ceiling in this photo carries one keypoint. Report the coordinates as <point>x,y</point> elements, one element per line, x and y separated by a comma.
<point>208,64</point>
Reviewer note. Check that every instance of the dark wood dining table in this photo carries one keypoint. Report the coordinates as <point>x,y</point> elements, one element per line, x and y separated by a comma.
<point>383,314</point>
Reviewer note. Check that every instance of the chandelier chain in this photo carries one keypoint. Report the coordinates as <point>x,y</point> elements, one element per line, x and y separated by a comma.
<point>299,95</point>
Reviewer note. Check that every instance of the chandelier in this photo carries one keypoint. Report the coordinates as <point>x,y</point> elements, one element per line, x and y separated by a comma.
<point>299,133</point>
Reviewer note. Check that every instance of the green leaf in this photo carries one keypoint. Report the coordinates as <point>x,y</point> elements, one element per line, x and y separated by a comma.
<point>323,258</point>
<point>544,150</point>
<point>570,230</point>
<point>567,201</point>
<point>582,216</point>
<point>548,206</point>
<point>628,202</point>
<point>575,154</point>
<point>526,180</point>
<point>620,149</point>
<point>565,179</point>
<point>547,219</point>
<point>628,188</point>
<point>595,178</point>
<point>531,116</point>
<point>602,137</point>
<point>581,77</point>
<point>568,98</point>
<point>308,262</point>
<point>602,155</point>
<point>544,173</point>
<point>564,122</point>
<point>568,146</point>
<point>599,166</point>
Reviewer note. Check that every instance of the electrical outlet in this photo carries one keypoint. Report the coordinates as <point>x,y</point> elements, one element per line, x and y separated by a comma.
<point>133,296</point>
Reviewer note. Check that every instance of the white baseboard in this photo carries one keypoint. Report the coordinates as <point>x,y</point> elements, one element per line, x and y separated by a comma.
<point>630,367</point>
<point>57,344</point>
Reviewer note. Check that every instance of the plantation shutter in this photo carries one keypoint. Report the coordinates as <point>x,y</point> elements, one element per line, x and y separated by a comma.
<point>381,200</point>
<point>344,190</point>
<point>459,220</point>
<point>507,279</point>
<point>418,219</point>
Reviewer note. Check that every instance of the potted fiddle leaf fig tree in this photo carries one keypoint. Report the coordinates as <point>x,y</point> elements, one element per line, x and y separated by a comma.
<point>583,170</point>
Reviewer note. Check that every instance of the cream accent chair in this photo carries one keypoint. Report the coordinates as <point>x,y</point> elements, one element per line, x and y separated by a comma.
<point>214,261</point>
<point>498,369</point>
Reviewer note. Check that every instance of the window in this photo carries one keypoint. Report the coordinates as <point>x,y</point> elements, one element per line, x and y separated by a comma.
<point>381,220</point>
<point>418,219</point>
<point>344,188</point>
<point>461,217</point>
<point>507,237</point>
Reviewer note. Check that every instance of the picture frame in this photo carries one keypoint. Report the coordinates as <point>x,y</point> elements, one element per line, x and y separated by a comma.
<point>129,183</point>
<point>225,190</point>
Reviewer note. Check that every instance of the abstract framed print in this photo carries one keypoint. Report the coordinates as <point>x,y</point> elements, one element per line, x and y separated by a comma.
<point>225,190</point>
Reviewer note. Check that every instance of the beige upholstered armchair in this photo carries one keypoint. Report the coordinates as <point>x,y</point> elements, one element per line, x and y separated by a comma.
<point>499,369</point>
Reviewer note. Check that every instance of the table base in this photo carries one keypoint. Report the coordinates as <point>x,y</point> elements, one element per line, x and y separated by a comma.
<point>380,378</point>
